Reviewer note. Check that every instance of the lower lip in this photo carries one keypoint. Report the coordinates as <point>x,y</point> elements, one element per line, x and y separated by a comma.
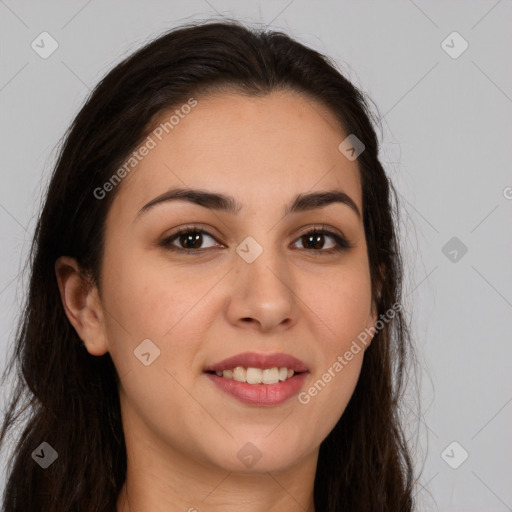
<point>260,394</point>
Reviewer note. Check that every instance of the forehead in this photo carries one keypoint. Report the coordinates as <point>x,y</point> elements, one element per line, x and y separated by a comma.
<point>264,148</point>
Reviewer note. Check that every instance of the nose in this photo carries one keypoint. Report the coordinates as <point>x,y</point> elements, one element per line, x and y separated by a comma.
<point>263,295</point>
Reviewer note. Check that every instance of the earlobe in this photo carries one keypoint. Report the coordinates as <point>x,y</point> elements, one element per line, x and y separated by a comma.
<point>82,305</point>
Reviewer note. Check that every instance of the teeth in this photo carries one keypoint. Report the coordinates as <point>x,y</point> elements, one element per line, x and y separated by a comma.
<point>239,374</point>
<point>257,375</point>
<point>253,376</point>
<point>270,376</point>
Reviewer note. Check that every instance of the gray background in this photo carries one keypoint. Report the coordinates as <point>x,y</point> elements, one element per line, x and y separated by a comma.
<point>446,145</point>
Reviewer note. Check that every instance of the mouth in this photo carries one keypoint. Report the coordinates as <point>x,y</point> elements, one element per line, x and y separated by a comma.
<point>259,379</point>
<point>253,375</point>
<point>254,361</point>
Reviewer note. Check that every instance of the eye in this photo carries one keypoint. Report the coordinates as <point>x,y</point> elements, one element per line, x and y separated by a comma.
<point>189,239</point>
<point>314,241</point>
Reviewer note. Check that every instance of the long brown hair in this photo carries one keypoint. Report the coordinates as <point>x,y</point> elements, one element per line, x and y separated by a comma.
<point>71,398</point>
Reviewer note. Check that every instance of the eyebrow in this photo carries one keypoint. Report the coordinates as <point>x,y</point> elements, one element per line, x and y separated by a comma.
<point>221,202</point>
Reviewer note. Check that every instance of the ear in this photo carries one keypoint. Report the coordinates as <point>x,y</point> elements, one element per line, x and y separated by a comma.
<point>82,305</point>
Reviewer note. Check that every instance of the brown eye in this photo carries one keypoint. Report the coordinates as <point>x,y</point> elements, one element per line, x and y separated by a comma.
<point>314,241</point>
<point>187,239</point>
<point>191,239</point>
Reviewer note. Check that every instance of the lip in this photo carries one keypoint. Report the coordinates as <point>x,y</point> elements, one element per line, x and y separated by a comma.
<point>260,394</point>
<point>262,361</point>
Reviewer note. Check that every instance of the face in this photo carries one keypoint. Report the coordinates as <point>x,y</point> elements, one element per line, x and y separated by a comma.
<point>252,279</point>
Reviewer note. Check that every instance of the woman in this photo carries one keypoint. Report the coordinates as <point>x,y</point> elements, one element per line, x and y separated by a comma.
<point>214,316</point>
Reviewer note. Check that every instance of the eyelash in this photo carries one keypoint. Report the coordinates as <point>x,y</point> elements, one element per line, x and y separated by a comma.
<point>342,243</point>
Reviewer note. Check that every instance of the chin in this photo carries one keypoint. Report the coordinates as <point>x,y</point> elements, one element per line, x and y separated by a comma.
<point>261,455</point>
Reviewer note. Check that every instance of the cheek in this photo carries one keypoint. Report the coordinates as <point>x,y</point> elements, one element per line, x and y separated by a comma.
<point>341,307</point>
<point>340,355</point>
<point>341,303</point>
<point>164,302</point>
<point>149,296</point>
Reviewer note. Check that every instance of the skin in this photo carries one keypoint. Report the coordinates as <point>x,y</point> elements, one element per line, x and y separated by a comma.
<point>182,433</point>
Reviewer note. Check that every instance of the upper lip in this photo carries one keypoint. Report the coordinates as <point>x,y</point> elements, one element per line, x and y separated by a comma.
<point>254,360</point>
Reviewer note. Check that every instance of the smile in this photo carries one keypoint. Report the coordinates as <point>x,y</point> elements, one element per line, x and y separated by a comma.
<point>257,375</point>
